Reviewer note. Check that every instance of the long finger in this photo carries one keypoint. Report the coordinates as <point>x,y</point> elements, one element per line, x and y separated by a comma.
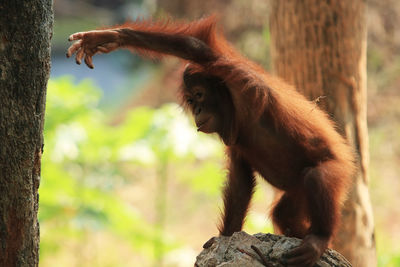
<point>302,259</point>
<point>102,49</point>
<point>79,55</point>
<point>296,252</point>
<point>76,36</point>
<point>209,243</point>
<point>108,47</point>
<point>73,48</point>
<point>89,61</point>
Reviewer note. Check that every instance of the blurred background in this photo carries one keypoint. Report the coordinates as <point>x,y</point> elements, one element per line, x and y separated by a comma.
<point>126,178</point>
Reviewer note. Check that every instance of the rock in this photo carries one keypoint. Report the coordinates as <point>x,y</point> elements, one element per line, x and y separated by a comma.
<point>237,251</point>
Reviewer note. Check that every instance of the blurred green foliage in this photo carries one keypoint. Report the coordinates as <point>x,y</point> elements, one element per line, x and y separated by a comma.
<point>85,163</point>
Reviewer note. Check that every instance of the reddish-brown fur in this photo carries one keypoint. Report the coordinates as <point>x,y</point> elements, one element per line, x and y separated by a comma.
<point>273,130</point>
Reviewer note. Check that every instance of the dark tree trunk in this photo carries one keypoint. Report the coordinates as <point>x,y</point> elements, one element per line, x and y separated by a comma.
<point>320,47</point>
<point>25,32</point>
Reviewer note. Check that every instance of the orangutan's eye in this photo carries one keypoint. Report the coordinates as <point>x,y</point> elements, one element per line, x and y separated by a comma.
<point>198,95</point>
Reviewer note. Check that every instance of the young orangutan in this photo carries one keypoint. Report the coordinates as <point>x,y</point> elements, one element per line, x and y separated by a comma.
<point>267,126</point>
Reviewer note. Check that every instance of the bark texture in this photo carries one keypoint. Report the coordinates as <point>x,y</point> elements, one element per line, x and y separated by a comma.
<point>320,47</point>
<point>25,33</point>
<point>237,251</point>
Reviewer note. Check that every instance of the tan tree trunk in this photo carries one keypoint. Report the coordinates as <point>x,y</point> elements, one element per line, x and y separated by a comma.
<point>25,32</point>
<point>320,47</point>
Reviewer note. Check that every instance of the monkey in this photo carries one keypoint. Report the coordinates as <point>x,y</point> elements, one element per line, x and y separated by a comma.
<point>267,126</point>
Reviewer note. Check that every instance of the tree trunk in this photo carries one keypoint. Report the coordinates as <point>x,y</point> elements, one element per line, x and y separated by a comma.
<point>320,47</point>
<point>25,32</point>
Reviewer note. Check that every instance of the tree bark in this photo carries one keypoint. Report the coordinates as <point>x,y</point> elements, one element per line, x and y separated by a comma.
<point>25,33</point>
<point>320,47</point>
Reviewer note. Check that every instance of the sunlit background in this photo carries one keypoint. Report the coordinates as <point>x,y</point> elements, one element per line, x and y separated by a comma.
<point>127,180</point>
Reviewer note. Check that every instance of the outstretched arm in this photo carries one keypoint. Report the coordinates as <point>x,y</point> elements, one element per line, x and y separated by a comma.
<point>190,42</point>
<point>197,42</point>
